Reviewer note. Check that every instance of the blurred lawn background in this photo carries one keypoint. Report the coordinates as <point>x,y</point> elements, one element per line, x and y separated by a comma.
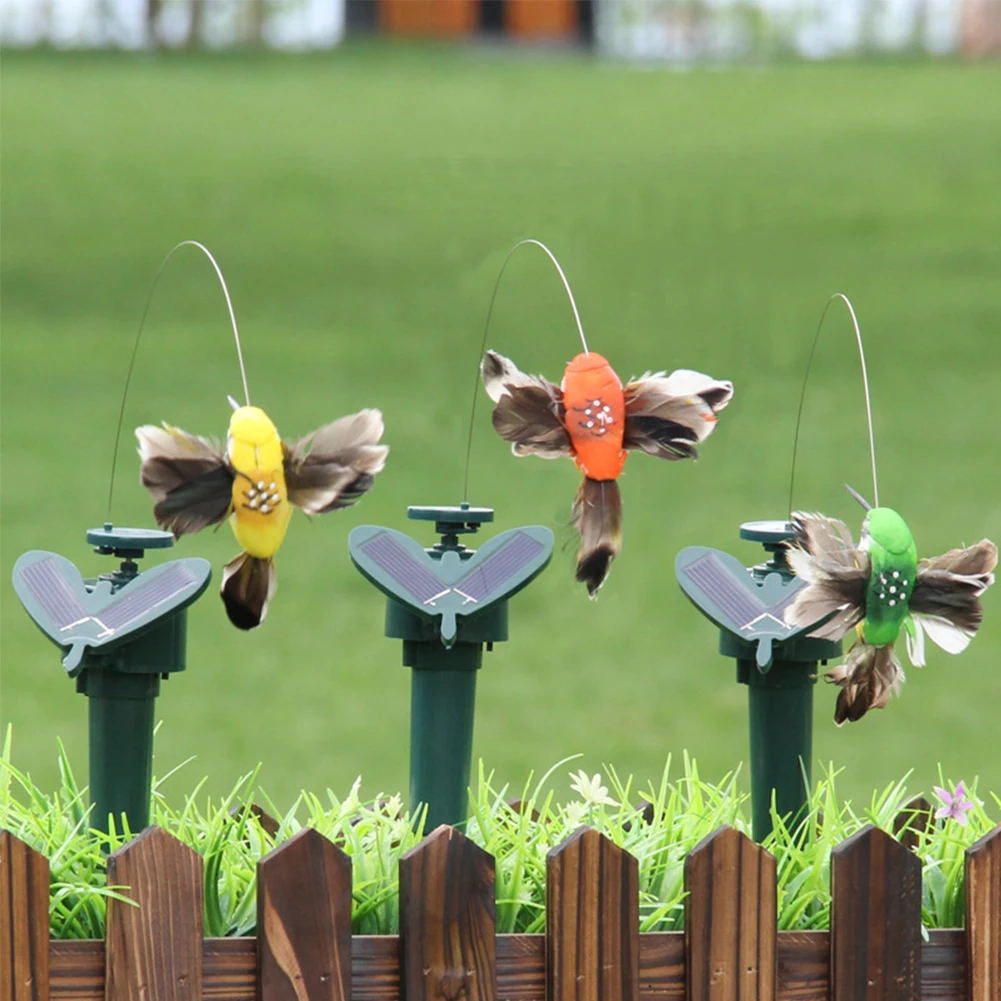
<point>360,204</point>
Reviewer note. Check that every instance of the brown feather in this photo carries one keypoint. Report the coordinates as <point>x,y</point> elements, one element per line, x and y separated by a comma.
<point>667,416</point>
<point>188,477</point>
<point>950,586</point>
<point>529,410</point>
<point>530,418</point>
<point>836,573</point>
<point>597,516</point>
<point>332,467</point>
<point>248,584</point>
<point>868,676</point>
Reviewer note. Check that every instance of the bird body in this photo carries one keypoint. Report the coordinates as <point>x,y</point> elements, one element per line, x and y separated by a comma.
<point>261,511</point>
<point>595,408</point>
<point>256,482</point>
<point>594,420</point>
<point>893,567</point>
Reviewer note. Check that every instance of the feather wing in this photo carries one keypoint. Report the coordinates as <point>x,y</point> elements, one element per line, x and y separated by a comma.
<point>670,415</point>
<point>529,410</point>
<point>188,477</point>
<point>333,466</point>
<point>836,572</point>
<point>947,590</point>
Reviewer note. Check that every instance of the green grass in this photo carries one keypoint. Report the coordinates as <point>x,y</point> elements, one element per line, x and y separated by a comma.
<point>659,826</point>
<point>360,204</point>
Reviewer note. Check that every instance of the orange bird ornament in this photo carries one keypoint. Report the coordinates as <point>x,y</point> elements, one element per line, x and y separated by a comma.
<point>596,421</point>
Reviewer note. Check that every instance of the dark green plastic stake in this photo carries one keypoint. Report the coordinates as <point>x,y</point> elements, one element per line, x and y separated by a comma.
<point>121,634</point>
<point>779,664</point>
<point>445,603</point>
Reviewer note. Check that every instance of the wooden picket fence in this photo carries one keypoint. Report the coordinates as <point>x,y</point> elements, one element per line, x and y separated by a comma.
<point>447,949</point>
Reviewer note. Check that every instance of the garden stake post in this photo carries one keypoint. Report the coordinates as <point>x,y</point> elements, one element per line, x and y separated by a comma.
<point>120,634</point>
<point>777,662</point>
<point>445,603</point>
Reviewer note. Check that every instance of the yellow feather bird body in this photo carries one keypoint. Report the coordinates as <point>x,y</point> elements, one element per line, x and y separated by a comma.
<point>261,510</point>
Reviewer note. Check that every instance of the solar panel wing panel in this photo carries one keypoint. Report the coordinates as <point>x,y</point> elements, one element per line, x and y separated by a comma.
<point>391,557</point>
<point>52,591</point>
<point>490,576</point>
<point>146,595</point>
<point>717,583</point>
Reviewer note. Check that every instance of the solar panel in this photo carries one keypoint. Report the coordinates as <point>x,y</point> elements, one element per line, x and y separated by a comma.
<point>146,596</point>
<point>76,617</point>
<point>499,567</point>
<point>449,585</point>
<point>53,593</point>
<point>718,584</point>
<point>417,580</point>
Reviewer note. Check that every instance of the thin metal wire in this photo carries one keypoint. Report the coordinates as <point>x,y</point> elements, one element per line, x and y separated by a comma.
<point>135,349</point>
<point>865,385</point>
<point>486,330</point>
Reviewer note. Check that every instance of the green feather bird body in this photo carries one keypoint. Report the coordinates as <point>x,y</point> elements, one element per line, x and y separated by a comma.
<point>876,587</point>
<point>893,567</point>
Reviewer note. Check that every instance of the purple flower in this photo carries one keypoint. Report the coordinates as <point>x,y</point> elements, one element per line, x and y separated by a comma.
<point>954,805</point>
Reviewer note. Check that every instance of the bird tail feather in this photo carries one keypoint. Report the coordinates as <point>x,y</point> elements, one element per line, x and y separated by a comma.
<point>597,516</point>
<point>248,584</point>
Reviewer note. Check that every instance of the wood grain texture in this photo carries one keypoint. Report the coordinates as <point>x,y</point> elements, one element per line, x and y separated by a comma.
<point>24,921</point>
<point>304,920</point>
<point>447,920</point>
<point>802,961</point>
<point>230,967</point>
<point>913,820</point>
<point>983,917</point>
<point>943,966</point>
<point>730,915</point>
<point>592,920</point>
<point>875,919</point>
<point>165,878</point>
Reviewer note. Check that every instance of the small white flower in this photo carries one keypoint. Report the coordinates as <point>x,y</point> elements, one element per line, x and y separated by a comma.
<point>591,789</point>
<point>575,813</point>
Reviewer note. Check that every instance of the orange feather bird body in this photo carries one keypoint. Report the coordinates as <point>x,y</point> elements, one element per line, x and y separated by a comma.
<point>595,416</point>
<point>596,421</point>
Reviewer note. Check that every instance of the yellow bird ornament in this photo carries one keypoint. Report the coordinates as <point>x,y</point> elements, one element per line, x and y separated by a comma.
<point>255,482</point>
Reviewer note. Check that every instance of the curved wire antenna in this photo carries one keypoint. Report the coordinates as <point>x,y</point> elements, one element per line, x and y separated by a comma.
<point>135,348</point>
<point>486,330</point>
<point>865,386</point>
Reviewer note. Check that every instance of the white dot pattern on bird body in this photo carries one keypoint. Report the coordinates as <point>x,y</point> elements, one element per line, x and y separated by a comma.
<point>597,413</point>
<point>263,498</point>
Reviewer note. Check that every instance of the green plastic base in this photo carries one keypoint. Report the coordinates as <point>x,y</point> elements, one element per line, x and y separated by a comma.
<point>121,745</point>
<point>780,713</point>
<point>441,735</point>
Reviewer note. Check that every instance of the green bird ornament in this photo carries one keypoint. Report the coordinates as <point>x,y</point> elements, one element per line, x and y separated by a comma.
<point>877,588</point>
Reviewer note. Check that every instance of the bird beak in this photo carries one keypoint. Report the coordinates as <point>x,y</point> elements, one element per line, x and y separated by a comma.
<point>233,403</point>
<point>866,506</point>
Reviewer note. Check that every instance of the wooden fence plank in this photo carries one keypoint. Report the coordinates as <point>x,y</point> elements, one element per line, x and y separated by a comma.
<point>592,920</point>
<point>983,917</point>
<point>730,917</point>
<point>24,921</point>
<point>304,921</point>
<point>165,878</point>
<point>913,820</point>
<point>448,947</point>
<point>875,919</point>
<point>268,823</point>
